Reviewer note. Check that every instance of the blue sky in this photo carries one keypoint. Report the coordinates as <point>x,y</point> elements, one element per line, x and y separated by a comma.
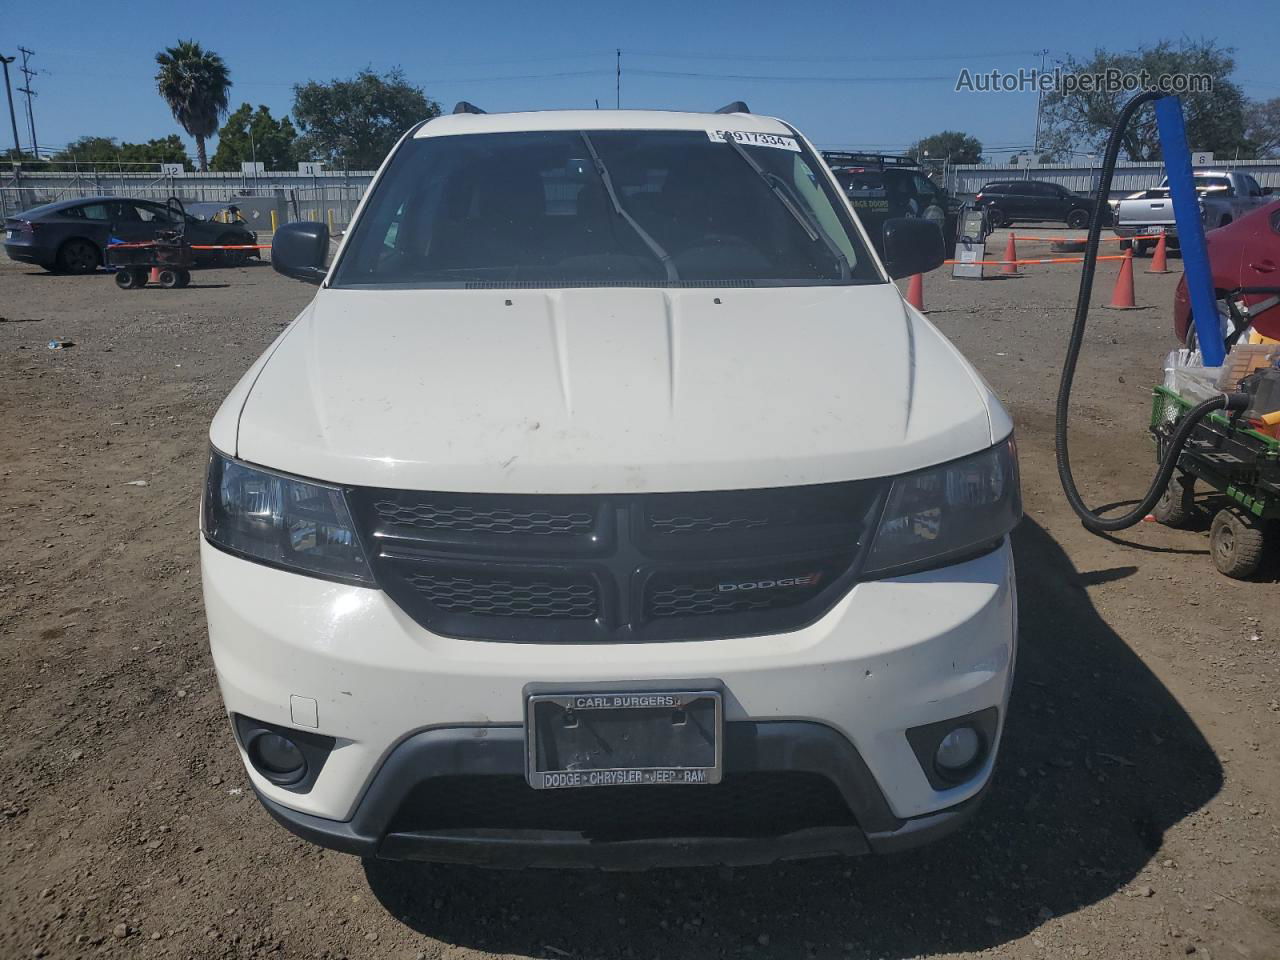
<point>866,75</point>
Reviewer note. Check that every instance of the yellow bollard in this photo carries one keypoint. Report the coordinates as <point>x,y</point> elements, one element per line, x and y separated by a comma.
<point>273,221</point>
<point>331,219</point>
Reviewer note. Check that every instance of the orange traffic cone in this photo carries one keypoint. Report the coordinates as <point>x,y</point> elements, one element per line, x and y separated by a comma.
<point>915,291</point>
<point>1010,265</point>
<point>1122,295</point>
<point>155,275</point>
<point>1160,259</point>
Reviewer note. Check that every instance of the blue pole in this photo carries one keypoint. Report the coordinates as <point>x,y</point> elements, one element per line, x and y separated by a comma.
<point>1186,211</point>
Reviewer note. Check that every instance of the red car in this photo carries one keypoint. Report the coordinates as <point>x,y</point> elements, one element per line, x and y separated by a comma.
<point>1242,254</point>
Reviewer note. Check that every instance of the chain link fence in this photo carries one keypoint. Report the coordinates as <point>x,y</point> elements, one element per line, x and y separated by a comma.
<point>265,201</point>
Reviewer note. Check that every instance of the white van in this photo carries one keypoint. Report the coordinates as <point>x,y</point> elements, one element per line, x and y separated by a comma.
<point>608,506</point>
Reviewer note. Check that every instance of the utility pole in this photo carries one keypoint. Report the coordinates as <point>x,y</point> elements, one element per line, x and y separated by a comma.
<point>1035,147</point>
<point>617,89</point>
<point>27,74</point>
<point>13,121</point>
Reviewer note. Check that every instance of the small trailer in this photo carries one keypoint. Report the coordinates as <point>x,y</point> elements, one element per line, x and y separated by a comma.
<point>168,258</point>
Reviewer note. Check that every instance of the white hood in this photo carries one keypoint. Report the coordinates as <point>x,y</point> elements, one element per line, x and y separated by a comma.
<point>608,390</point>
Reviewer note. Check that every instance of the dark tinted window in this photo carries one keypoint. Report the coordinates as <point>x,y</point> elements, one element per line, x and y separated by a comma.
<point>517,208</point>
<point>96,211</point>
<point>861,184</point>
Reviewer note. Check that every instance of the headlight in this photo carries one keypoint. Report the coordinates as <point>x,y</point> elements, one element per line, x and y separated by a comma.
<point>282,521</point>
<point>944,514</point>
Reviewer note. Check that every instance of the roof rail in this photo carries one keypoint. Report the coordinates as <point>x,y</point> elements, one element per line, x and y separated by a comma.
<point>736,107</point>
<point>857,158</point>
<point>462,106</point>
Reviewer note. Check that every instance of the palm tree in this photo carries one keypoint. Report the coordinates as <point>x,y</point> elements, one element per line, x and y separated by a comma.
<point>194,82</point>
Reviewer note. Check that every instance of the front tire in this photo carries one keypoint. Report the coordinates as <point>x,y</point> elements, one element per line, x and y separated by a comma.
<point>232,258</point>
<point>1236,542</point>
<point>1177,504</point>
<point>997,217</point>
<point>78,256</point>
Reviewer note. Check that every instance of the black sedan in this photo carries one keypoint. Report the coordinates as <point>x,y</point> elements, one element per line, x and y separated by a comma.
<point>70,236</point>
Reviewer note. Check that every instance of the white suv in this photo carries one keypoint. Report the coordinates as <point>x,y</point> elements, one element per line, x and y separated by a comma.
<point>608,506</point>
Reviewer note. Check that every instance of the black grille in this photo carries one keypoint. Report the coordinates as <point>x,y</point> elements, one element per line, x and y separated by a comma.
<point>766,804</point>
<point>471,518</point>
<point>616,568</point>
<point>508,597</point>
<point>684,523</point>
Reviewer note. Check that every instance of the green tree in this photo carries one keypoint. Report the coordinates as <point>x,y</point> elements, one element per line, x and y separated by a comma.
<point>357,121</point>
<point>194,82</point>
<point>1262,126</point>
<point>1214,118</point>
<point>255,135</point>
<point>88,150</point>
<point>949,145</point>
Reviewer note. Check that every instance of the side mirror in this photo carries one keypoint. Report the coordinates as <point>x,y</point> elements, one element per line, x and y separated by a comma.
<point>1267,191</point>
<point>300,249</point>
<point>912,246</point>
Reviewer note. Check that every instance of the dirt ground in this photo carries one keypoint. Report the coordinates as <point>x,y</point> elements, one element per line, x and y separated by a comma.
<point>1135,808</point>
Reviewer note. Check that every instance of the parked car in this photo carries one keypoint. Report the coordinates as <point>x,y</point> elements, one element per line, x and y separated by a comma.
<point>608,505</point>
<point>1012,201</point>
<point>880,186</point>
<point>1242,254</point>
<point>70,236</point>
<point>1225,196</point>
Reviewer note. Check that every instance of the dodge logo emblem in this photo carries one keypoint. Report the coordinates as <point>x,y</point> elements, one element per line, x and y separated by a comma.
<point>807,580</point>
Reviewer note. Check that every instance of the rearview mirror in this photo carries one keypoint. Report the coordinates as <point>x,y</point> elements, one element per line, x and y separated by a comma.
<point>912,246</point>
<point>300,249</point>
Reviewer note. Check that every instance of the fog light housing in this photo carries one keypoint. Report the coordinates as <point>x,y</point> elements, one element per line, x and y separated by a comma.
<point>278,758</point>
<point>953,751</point>
<point>958,749</point>
<point>288,758</point>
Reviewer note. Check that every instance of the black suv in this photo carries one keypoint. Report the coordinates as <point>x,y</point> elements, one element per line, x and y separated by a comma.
<point>1007,201</point>
<point>880,186</point>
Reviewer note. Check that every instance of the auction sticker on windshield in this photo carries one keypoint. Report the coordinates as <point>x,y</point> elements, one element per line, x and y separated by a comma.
<point>751,138</point>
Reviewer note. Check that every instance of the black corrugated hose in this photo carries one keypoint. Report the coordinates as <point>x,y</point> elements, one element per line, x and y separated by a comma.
<point>1235,401</point>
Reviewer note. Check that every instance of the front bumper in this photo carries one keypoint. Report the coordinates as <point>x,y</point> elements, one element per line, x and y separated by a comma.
<point>492,752</point>
<point>1139,232</point>
<point>892,655</point>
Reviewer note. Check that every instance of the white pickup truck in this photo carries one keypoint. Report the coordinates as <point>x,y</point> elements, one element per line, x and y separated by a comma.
<point>1224,196</point>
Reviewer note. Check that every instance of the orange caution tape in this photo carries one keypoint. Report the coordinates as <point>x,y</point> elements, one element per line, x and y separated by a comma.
<point>1070,239</point>
<point>194,246</point>
<point>229,246</point>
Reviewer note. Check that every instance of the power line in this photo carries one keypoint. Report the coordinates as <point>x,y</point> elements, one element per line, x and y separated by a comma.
<point>792,79</point>
<point>27,74</point>
<point>761,58</point>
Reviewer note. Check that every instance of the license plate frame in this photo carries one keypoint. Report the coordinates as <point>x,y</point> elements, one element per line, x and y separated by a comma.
<point>1153,231</point>
<point>599,727</point>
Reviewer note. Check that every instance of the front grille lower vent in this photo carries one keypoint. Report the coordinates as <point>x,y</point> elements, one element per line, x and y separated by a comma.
<point>758,804</point>
<point>508,597</point>
<point>617,568</point>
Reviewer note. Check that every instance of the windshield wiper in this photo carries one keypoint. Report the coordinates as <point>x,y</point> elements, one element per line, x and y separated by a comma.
<point>603,172</point>
<point>780,190</point>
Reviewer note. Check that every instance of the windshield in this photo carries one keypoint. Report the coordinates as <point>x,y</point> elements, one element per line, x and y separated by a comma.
<point>611,207</point>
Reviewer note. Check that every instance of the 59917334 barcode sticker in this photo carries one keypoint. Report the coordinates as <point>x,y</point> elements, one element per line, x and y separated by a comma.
<point>750,138</point>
